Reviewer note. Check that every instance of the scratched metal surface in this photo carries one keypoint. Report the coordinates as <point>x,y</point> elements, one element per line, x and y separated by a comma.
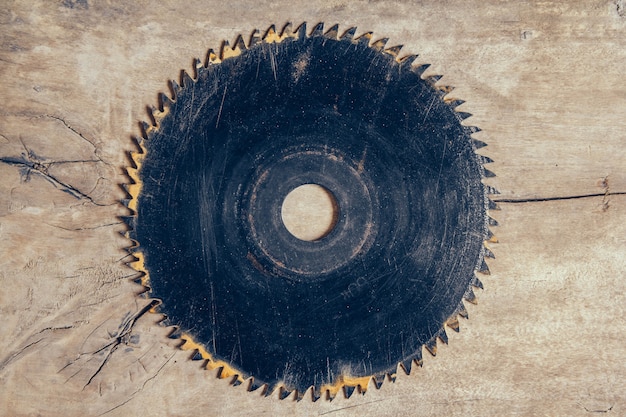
<point>544,82</point>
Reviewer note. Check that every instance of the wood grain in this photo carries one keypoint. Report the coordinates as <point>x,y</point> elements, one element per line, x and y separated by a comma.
<point>545,83</point>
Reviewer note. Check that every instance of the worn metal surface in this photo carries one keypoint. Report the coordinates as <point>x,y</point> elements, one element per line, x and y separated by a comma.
<point>543,80</point>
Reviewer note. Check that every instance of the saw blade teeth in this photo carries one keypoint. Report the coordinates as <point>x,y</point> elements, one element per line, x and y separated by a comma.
<point>470,296</point>
<point>394,51</point>
<point>492,221</point>
<point>375,382</point>
<point>477,283</point>
<point>443,336</point>
<point>453,323</point>
<point>454,102</point>
<point>484,268</point>
<point>283,393</point>
<point>185,79</point>
<point>491,190</point>
<point>406,366</point>
<point>485,160</point>
<point>488,174</point>
<point>491,238</point>
<point>463,115</point>
<point>348,391</point>
<point>300,32</point>
<point>318,30</point>
<point>271,36</point>
<point>196,355</point>
<point>144,128</point>
<point>492,205</point>
<point>229,52</point>
<point>198,67</point>
<point>348,35</point>
<point>239,43</point>
<point>462,311</point>
<point>211,58</point>
<point>431,346</point>
<point>164,103</point>
<point>478,144</point>
<point>365,38</point>
<point>255,38</point>
<point>488,253</point>
<point>421,69</point>
<point>174,89</point>
<point>333,32</point>
<point>407,61</point>
<point>379,45</point>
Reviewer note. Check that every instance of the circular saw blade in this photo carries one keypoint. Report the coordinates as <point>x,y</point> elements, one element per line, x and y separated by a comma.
<point>263,119</point>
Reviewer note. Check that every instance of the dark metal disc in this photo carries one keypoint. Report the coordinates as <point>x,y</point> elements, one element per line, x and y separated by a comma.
<point>411,220</point>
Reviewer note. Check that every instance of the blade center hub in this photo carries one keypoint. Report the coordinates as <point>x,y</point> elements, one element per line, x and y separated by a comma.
<point>310,212</point>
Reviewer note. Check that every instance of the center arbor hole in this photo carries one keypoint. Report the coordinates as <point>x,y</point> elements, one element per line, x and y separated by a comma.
<point>309,212</point>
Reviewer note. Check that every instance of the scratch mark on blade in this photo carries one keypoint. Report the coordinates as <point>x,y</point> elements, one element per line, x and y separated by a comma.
<point>219,114</point>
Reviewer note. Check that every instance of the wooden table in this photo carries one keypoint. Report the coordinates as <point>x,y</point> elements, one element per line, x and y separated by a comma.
<point>545,82</point>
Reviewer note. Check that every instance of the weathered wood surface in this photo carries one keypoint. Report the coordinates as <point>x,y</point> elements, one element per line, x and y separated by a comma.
<point>545,82</point>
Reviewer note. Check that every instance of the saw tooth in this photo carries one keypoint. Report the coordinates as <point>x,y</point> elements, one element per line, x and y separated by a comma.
<point>453,323</point>
<point>348,35</point>
<point>477,283</point>
<point>379,45</point>
<point>282,393</point>
<point>310,392</point>
<point>228,51</point>
<point>407,61</point>
<point>463,115</point>
<point>211,58</point>
<point>478,144</point>
<point>185,79</point>
<point>145,129</point>
<point>492,221</point>
<point>484,160</point>
<point>236,381</point>
<point>348,391</point>
<point>301,31</point>
<point>462,311</point>
<point>365,38</point>
<point>484,268</point>
<point>289,32</point>
<point>375,382</point>
<point>492,205</point>
<point>443,336</point>
<point>255,38</point>
<point>270,35</point>
<point>128,220</point>
<point>406,366</point>
<point>491,237</point>
<point>431,346</point>
<point>333,32</point>
<point>488,174</point>
<point>198,67</point>
<point>421,69</point>
<point>453,102</point>
<point>394,51</point>
<point>239,43</point>
<point>196,355</point>
<point>165,103</point>
<point>174,89</point>
<point>434,78</point>
<point>470,296</point>
<point>491,190</point>
<point>488,253</point>
<point>152,114</point>
<point>318,30</point>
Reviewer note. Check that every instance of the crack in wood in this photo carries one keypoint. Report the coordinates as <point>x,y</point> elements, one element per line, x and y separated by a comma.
<point>570,197</point>
<point>122,337</point>
<point>42,169</point>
